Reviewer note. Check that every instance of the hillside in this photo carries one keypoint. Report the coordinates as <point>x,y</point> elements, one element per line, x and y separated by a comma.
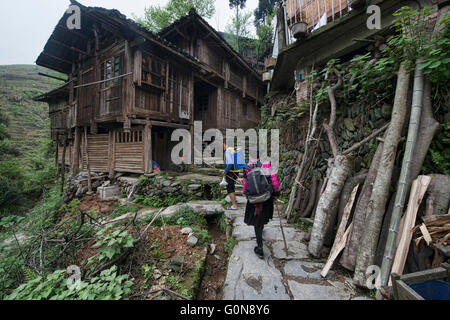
<point>28,119</point>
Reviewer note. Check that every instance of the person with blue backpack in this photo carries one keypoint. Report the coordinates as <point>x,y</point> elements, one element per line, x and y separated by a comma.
<point>235,163</point>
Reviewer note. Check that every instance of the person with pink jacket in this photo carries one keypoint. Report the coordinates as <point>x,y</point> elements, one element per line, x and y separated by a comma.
<point>260,214</point>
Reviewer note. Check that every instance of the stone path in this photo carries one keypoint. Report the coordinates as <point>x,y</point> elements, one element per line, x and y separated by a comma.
<point>278,277</point>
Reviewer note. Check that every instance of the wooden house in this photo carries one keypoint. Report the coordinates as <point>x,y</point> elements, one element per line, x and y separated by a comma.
<point>129,88</point>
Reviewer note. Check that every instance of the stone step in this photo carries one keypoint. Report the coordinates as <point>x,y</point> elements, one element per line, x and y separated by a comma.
<point>250,278</point>
<point>270,233</point>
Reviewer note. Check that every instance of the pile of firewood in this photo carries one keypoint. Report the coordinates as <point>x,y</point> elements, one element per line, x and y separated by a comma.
<point>435,229</point>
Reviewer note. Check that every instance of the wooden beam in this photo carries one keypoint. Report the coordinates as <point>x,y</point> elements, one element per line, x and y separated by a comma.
<point>63,163</point>
<point>169,125</point>
<point>111,152</point>
<point>76,152</point>
<point>79,34</point>
<point>51,77</point>
<point>148,148</point>
<point>137,42</point>
<point>87,160</point>
<point>68,47</point>
<point>57,58</point>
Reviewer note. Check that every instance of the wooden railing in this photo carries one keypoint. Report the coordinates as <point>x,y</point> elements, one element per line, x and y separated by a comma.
<point>315,13</point>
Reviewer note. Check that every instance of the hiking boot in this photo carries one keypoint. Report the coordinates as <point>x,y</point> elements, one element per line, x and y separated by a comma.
<point>259,252</point>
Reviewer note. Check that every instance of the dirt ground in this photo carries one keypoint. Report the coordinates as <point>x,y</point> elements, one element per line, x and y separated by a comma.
<point>215,269</point>
<point>155,252</point>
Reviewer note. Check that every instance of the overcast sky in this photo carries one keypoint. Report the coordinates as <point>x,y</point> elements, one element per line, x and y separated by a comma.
<point>26,25</point>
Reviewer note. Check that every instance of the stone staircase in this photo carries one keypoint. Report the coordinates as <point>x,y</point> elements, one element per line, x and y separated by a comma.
<point>295,276</point>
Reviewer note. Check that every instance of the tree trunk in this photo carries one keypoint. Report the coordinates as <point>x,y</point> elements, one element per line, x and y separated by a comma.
<point>312,197</point>
<point>377,204</point>
<point>339,174</point>
<point>348,259</point>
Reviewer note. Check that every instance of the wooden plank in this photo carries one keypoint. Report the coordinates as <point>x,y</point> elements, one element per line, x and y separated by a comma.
<point>87,160</point>
<point>419,187</point>
<point>426,234</point>
<point>137,74</point>
<point>76,152</point>
<point>405,292</point>
<point>426,275</point>
<point>341,234</point>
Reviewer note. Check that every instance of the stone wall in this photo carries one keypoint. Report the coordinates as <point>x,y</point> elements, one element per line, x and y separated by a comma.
<point>353,124</point>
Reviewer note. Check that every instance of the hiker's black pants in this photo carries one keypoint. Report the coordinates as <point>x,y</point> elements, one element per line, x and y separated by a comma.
<point>259,227</point>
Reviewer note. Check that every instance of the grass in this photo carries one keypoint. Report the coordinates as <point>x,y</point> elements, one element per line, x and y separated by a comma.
<point>305,226</point>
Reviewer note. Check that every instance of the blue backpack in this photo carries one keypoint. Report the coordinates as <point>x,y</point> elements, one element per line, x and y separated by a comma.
<point>238,159</point>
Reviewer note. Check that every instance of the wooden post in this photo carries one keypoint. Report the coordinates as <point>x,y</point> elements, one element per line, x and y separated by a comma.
<point>148,146</point>
<point>57,156</point>
<point>87,160</point>
<point>112,150</point>
<point>63,162</point>
<point>76,152</point>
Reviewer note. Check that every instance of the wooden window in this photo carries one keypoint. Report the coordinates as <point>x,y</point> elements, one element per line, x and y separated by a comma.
<point>244,109</point>
<point>153,71</point>
<point>110,69</point>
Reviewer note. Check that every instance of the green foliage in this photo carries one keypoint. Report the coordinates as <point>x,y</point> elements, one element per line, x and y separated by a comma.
<point>111,243</point>
<point>239,31</point>
<point>145,180</point>
<point>222,224</point>
<point>202,236</point>
<point>9,195</point>
<point>305,226</point>
<point>45,213</point>
<point>160,202</point>
<point>147,271</point>
<point>187,217</point>
<point>124,209</point>
<point>229,245</point>
<point>265,7</point>
<point>265,31</point>
<point>11,273</point>
<point>55,286</point>
<point>438,156</point>
<point>10,221</point>
<point>158,17</point>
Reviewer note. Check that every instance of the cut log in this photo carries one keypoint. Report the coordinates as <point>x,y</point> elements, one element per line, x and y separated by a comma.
<point>334,187</point>
<point>418,190</point>
<point>377,204</point>
<point>348,259</point>
<point>341,235</point>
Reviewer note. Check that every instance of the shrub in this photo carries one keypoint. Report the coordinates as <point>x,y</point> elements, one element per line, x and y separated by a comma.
<point>187,217</point>
<point>9,194</point>
<point>120,211</point>
<point>108,286</point>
